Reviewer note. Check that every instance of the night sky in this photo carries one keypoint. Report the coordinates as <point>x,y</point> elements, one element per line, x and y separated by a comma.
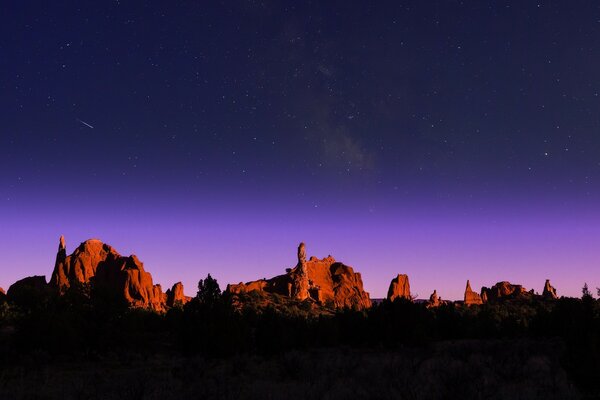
<point>446,140</point>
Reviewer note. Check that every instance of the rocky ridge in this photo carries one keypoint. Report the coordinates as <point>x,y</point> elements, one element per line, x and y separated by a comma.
<point>324,281</point>
<point>504,290</point>
<point>122,277</point>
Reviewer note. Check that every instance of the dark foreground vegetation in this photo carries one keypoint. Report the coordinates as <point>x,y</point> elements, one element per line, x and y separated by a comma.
<point>84,345</point>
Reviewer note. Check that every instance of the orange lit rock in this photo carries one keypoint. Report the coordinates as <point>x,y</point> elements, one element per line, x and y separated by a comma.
<point>325,281</point>
<point>471,297</point>
<point>399,288</point>
<point>504,290</point>
<point>81,265</point>
<point>124,276</point>
<point>175,295</point>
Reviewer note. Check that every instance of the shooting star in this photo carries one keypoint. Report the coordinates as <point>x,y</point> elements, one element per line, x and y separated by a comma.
<point>85,123</point>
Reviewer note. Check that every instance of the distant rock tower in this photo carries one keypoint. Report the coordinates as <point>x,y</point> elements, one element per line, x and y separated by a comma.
<point>301,253</point>
<point>300,285</point>
<point>59,265</point>
<point>62,249</point>
<point>549,291</point>
<point>399,288</point>
<point>434,300</point>
<point>471,297</point>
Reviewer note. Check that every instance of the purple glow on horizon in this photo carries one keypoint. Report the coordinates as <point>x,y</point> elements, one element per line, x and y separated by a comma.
<point>438,247</point>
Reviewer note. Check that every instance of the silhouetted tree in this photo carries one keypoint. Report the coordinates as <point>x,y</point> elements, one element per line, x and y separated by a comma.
<point>209,291</point>
<point>585,292</point>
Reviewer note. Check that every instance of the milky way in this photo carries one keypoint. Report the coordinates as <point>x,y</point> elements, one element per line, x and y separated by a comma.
<point>445,140</point>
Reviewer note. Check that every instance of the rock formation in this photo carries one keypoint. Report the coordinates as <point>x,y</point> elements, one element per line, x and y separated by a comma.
<point>434,300</point>
<point>123,276</point>
<point>504,290</point>
<point>28,291</point>
<point>399,288</point>
<point>301,253</point>
<point>2,295</point>
<point>299,287</point>
<point>324,281</point>
<point>549,291</point>
<point>175,296</point>
<point>471,297</point>
<point>81,265</point>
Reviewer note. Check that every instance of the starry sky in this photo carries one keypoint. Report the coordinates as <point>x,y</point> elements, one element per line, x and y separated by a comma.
<point>447,140</point>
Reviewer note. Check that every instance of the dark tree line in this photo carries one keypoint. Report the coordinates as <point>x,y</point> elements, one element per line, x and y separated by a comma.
<point>87,323</point>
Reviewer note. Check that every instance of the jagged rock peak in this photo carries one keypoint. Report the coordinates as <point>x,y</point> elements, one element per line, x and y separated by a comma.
<point>324,281</point>
<point>504,290</point>
<point>81,265</point>
<point>471,297</point>
<point>124,276</point>
<point>399,288</point>
<point>549,291</point>
<point>175,295</point>
<point>62,245</point>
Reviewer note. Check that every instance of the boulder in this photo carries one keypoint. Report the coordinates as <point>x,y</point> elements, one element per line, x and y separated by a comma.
<point>28,291</point>
<point>323,281</point>
<point>399,288</point>
<point>504,290</point>
<point>549,291</point>
<point>471,298</point>
<point>175,295</point>
<point>124,277</point>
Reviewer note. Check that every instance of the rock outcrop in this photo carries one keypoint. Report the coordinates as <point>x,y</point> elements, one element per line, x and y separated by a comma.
<point>399,288</point>
<point>471,298</point>
<point>324,281</point>
<point>2,295</point>
<point>28,291</point>
<point>80,266</point>
<point>175,295</point>
<point>434,300</point>
<point>504,290</point>
<point>549,291</point>
<point>124,277</point>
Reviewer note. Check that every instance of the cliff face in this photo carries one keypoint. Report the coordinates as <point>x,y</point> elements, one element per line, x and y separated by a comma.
<point>325,281</point>
<point>399,288</point>
<point>125,277</point>
<point>471,298</point>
